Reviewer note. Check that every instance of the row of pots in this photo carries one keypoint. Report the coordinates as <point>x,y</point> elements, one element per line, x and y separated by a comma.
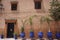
<point>40,35</point>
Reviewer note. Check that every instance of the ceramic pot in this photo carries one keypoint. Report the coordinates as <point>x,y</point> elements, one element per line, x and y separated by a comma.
<point>22,34</point>
<point>31,34</point>
<point>40,34</point>
<point>57,35</point>
<point>49,34</point>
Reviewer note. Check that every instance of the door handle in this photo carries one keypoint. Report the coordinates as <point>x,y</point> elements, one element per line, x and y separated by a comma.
<point>10,29</point>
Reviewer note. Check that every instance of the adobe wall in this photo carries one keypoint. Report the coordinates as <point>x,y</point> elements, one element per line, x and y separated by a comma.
<point>25,10</point>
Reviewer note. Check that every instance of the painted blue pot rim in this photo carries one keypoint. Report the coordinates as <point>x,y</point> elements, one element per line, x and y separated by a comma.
<point>49,34</point>
<point>31,34</point>
<point>58,35</point>
<point>22,34</point>
<point>40,34</point>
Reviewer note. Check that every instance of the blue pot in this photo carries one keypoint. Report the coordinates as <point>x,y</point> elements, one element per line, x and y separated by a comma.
<point>31,34</point>
<point>2,36</point>
<point>49,34</point>
<point>22,34</point>
<point>40,34</point>
<point>15,36</point>
<point>57,35</point>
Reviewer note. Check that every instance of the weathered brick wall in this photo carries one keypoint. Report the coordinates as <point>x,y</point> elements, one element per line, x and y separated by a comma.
<point>25,10</point>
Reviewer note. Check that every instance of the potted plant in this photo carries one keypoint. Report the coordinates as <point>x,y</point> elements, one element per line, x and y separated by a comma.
<point>40,33</point>
<point>15,35</point>
<point>2,36</point>
<point>31,30</point>
<point>49,33</point>
<point>22,34</point>
<point>57,35</point>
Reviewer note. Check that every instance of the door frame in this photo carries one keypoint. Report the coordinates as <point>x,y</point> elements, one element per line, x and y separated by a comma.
<point>15,27</point>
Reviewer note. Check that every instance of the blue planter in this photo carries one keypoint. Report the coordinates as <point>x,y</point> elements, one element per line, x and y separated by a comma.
<point>57,35</point>
<point>49,34</point>
<point>15,36</point>
<point>2,36</point>
<point>31,34</point>
<point>40,34</point>
<point>22,34</point>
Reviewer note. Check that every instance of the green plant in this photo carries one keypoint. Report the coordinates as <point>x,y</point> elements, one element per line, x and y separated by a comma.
<point>30,21</point>
<point>22,29</point>
<point>23,25</point>
<point>15,33</point>
<point>48,20</point>
<point>42,19</point>
<point>55,10</point>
